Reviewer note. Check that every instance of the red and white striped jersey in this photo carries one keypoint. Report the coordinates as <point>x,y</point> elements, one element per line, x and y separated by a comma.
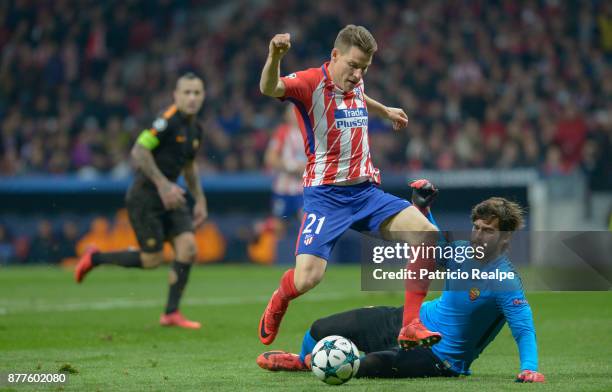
<point>334,127</point>
<point>287,143</point>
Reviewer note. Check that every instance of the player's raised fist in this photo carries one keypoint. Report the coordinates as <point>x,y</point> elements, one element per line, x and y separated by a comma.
<point>423,193</point>
<point>280,44</point>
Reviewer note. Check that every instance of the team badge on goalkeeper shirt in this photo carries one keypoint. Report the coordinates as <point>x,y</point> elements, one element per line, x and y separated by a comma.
<point>474,293</point>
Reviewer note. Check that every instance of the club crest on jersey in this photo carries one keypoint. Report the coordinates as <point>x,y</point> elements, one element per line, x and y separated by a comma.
<point>351,118</point>
<point>474,293</point>
<point>308,239</point>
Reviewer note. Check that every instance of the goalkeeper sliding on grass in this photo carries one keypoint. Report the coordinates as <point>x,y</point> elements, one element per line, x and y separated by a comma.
<point>469,319</point>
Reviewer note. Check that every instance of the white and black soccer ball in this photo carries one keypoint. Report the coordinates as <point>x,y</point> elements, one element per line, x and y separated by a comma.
<point>335,360</point>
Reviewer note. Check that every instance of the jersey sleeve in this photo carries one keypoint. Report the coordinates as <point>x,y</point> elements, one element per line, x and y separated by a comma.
<point>518,314</point>
<point>157,134</point>
<point>163,127</point>
<point>299,86</point>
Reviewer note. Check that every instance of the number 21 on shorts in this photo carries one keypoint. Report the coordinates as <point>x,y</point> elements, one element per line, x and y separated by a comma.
<point>310,221</point>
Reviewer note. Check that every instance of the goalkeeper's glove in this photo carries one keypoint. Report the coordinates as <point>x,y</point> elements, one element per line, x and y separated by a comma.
<point>423,193</point>
<point>529,376</point>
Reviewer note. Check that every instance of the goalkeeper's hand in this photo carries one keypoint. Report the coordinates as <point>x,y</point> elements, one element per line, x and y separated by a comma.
<point>423,193</point>
<point>529,376</point>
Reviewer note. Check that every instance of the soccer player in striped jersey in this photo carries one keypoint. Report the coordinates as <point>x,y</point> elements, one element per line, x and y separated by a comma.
<point>340,181</point>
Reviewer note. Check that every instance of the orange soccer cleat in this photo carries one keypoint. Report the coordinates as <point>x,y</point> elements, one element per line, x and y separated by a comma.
<point>281,361</point>
<point>415,334</point>
<point>176,319</point>
<point>271,319</point>
<point>84,265</point>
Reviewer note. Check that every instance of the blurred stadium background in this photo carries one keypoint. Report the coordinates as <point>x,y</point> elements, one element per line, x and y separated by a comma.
<point>505,98</point>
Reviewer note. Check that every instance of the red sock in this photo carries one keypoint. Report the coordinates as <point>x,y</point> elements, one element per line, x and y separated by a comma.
<point>416,289</point>
<point>286,289</point>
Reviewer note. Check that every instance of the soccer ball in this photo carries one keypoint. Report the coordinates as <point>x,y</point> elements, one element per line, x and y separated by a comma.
<point>335,360</point>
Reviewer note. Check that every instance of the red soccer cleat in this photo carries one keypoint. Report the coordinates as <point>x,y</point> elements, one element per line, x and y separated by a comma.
<point>176,319</point>
<point>530,376</point>
<point>281,361</point>
<point>271,319</point>
<point>415,334</point>
<point>84,265</point>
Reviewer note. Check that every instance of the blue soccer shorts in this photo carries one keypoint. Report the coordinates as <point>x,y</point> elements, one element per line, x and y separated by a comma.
<point>330,210</point>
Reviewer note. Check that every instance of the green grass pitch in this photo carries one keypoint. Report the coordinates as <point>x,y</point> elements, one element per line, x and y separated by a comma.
<point>106,330</point>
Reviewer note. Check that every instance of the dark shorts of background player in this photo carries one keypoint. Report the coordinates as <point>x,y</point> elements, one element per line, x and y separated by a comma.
<point>374,331</point>
<point>152,223</point>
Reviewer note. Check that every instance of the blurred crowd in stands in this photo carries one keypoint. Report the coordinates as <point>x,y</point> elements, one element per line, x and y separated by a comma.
<point>496,84</point>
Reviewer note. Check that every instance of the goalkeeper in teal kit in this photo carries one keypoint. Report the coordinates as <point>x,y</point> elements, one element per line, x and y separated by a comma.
<point>469,314</point>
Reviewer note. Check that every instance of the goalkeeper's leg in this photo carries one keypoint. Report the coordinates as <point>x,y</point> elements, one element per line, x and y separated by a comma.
<point>397,363</point>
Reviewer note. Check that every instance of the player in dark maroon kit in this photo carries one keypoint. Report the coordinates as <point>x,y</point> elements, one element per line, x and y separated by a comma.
<point>156,204</point>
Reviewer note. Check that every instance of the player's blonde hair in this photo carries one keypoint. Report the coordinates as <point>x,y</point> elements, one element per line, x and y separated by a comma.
<point>357,36</point>
<point>509,213</point>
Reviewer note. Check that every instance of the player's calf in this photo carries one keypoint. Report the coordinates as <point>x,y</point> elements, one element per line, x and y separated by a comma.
<point>309,271</point>
<point>269,323</point>
<point>151,260</point>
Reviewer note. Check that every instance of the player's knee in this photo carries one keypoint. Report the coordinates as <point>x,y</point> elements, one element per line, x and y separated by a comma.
<point>428,236</point>
<point>430,232</point>
<point>309,271</point>
<point>152,260</point>
<point>186,252</point>
<point>418,222</point>
<point>428,226</point>
<point>318,330</point>
<point>308,279</point>
<point>307,283</point>
<point>343,324</point>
